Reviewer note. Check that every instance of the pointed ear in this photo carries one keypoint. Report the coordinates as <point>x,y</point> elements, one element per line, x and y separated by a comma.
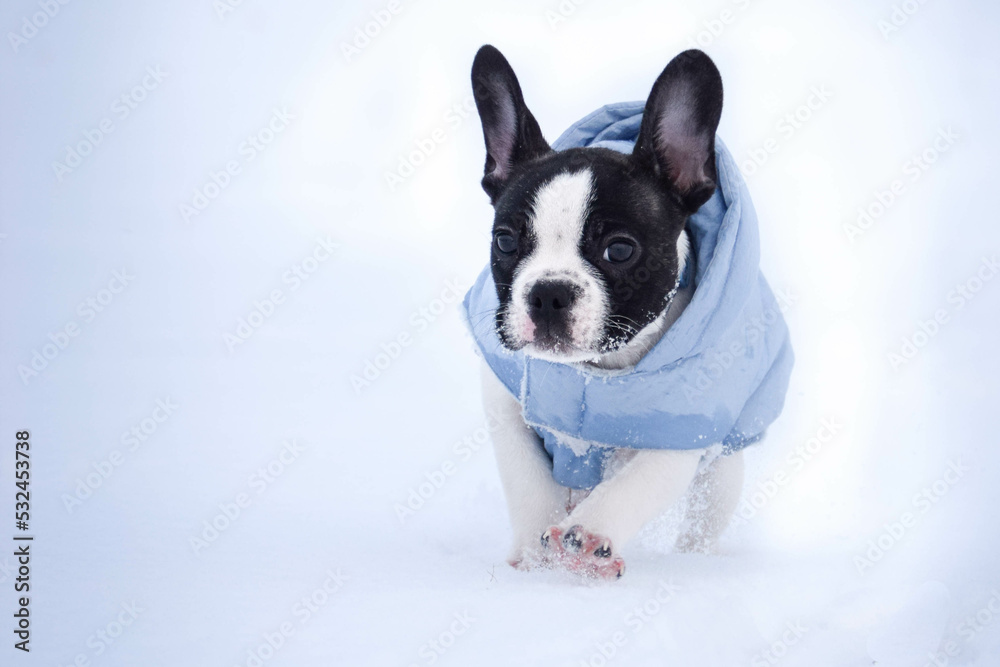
<point>512,134</point>
<point>677,136</point>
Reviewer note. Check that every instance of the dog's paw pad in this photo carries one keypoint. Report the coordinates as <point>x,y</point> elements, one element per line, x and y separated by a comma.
<point>585,553</point>
<point>610,568</point>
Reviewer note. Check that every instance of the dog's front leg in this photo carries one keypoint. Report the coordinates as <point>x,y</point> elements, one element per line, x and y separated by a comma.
<point>715,493</point>
<point>589,538</point>
<point>534,499</point>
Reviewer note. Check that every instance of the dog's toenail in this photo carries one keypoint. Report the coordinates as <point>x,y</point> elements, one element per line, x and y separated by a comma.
<point>603,551</point>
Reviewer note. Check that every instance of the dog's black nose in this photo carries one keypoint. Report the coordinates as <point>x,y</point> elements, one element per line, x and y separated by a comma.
<point>549,299</point>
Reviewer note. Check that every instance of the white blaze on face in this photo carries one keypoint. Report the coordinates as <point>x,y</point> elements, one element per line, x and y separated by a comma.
<point>558,214</point>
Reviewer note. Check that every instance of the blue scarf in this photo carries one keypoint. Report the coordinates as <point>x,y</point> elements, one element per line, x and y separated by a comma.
<point>718,376</point>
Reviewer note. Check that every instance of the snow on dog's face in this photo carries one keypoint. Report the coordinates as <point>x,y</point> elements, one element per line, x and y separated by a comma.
<point>585,241</point>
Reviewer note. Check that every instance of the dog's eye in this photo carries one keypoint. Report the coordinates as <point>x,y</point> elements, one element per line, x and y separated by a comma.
<point>619,251</point>
<point>506,243</point>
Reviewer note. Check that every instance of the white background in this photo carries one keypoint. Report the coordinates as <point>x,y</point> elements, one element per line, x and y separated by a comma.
<point>324,176</point>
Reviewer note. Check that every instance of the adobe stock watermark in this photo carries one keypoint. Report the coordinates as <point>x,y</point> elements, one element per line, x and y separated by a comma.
<point>301,613</point>
<point>294,277</point>
<point>248,150</point>
<point>120,109</point>
<point>87,310</point>
<point>967,630</point>
<point>367,32</point>
<point>224,8</point>
<point>258,482</point>
<point>899,16</point>
<point>786,127</point>
<point>31,24</point>
<point>635,620</point>
<point>957,299</point>
<point>424,147</point>
<point>770,486</point>
<point>105,637</point>
<point>562,12</point>
<point>713,28</point>
<point>778,649</point>
<point>131,441</point>
<point>714,366</point>
<point>434,648</point>
<point>420,320</point>
<point>7,569</point>
<point>922,502</point>
<point>463,450</point>
<point>912,171</point>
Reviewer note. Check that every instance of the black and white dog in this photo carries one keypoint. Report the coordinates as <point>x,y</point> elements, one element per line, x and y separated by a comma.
<point>568,226</point>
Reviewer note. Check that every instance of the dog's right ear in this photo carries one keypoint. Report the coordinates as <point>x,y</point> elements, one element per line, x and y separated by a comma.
<point>677,138</point>
<point>512,134</point>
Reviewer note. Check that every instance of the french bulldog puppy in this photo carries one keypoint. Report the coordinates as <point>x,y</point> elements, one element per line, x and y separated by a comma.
<point>569,226</point>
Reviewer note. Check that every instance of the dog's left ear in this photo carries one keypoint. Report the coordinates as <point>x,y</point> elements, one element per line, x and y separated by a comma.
<point>677,136</point>
<point>512,134</point>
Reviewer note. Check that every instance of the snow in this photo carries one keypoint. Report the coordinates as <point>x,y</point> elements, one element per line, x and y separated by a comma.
<point>324,525</point>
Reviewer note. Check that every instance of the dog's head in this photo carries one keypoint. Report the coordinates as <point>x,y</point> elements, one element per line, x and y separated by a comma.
<point>585,241</point>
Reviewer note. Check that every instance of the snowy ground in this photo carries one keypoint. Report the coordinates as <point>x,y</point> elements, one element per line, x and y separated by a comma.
<point>314,556</point>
